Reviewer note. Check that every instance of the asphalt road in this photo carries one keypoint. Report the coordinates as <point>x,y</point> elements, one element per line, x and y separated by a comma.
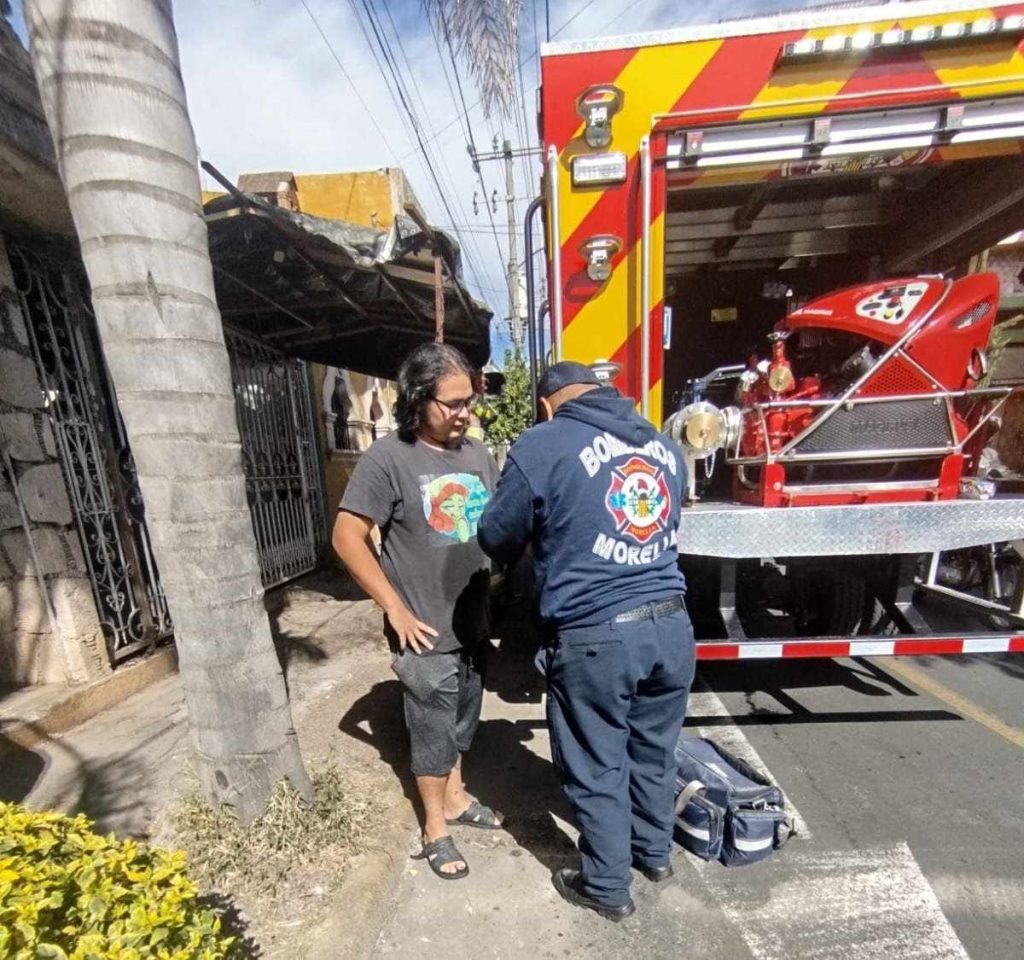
<point>907,777</point>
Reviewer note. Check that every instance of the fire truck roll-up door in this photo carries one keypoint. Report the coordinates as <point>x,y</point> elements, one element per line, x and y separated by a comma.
<point>737,223</point>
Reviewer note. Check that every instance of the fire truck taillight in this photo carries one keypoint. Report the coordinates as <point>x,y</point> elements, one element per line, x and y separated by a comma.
<point>596,106</point>
<point>599,252</point>
<point>598,169</point>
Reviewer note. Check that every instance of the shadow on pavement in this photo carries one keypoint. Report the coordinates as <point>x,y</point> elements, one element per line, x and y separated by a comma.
<point>232,923</point>
<point>505,773</point>
<point>377,719</point>
<point>113,792</point>
<point>500,769</point>
<point>20,770</point>
<point>775,677</point>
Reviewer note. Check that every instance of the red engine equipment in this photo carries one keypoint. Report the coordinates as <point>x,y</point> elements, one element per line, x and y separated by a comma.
<point>868,395</point>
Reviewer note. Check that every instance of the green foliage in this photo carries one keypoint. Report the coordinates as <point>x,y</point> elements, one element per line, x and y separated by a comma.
<point>513,409</point>
<point>67,893</point>
<point>291,837</point>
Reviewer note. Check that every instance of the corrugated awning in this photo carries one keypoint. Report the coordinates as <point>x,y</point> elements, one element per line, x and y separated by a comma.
<point>335,292</point>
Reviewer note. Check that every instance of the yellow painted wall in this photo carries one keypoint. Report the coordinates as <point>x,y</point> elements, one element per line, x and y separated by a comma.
<point>363,198</point>
<point>209,195</point>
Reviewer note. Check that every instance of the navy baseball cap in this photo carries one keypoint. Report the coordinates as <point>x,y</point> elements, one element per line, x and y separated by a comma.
<point>565,374</point>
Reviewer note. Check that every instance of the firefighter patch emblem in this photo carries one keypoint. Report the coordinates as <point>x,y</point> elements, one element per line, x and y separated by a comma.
<point>639,500</point>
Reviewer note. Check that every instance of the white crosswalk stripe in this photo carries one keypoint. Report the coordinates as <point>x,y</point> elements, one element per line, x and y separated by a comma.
<point>705,703</point>
<point>853,904</point>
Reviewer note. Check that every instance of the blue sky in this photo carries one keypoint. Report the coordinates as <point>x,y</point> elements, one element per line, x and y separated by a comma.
<point>266,93</point>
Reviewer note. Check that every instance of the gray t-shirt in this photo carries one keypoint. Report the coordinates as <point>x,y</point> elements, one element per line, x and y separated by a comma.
<point>427,503</point>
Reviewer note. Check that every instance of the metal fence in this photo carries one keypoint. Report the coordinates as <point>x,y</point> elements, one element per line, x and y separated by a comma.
<point>280,455</point>
<point>94,453</point>
<point>282,471</point>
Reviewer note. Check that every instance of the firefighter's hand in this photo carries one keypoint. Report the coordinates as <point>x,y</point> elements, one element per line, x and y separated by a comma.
<point>411,632</point>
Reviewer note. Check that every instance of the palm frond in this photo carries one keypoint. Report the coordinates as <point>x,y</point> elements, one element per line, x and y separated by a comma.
<point>485,34</point>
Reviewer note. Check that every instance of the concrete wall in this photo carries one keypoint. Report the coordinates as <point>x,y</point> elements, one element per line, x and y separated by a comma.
<point>37,533</point>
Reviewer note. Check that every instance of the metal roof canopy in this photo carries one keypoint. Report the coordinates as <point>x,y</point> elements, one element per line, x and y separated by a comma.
<point>334,292</point>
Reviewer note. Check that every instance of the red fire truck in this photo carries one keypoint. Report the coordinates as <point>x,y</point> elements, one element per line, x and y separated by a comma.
<point>769,232</point>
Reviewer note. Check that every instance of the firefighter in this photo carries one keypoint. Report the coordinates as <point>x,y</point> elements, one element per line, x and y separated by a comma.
<point>596,491</point>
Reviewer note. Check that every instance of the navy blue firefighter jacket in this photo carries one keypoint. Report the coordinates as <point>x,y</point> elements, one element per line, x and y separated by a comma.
<point>596,491</point>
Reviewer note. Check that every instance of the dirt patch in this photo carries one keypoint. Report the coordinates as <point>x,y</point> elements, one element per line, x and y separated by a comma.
<point>286,879</point>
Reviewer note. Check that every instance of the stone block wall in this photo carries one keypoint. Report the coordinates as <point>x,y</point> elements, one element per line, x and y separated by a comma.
<point>44,584</point>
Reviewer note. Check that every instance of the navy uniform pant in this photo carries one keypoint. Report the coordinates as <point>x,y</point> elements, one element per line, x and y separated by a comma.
<point>616,700</point>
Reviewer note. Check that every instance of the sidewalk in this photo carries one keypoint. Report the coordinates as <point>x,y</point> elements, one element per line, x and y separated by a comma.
<point>126,766</point>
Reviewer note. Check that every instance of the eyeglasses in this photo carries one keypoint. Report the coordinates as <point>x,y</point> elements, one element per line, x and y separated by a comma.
<point>455,407</point>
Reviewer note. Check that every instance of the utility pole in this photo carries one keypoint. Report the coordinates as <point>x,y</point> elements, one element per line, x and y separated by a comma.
<point>508,154</point>
<point>515,320</point>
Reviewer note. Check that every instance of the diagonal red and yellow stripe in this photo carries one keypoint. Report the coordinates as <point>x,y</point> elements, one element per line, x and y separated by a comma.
<point>714,81</point>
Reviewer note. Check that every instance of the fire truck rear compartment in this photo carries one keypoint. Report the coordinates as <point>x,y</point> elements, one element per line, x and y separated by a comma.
<point>738,256</point>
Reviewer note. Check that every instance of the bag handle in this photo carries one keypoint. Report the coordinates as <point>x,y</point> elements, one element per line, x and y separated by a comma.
<point>688,793</point>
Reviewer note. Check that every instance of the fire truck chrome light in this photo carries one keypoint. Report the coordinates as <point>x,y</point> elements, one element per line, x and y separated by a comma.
<point>599,252</point>
<point>606,370</point>
<point>598,169</point>
<point>595,107</point>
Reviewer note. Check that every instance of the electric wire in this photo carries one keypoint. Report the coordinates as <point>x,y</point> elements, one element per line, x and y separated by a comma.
<point>404,111</point>
<point>472,144</point>
<point>585,6</point>
<point>425,113</point>
<point>351,83</point>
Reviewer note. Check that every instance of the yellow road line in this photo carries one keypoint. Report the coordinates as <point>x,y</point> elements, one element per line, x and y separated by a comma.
<point>960,704</point>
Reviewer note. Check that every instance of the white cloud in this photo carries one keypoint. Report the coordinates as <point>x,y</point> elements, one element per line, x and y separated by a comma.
<point>265,93</point>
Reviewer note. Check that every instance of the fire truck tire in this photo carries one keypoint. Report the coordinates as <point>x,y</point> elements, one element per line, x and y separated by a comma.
<point>832,603</point>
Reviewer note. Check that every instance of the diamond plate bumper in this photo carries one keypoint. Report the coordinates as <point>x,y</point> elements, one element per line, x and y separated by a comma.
<point>736,531</point>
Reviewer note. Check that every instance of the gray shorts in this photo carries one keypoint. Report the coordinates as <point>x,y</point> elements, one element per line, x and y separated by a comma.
<point>443,696</point>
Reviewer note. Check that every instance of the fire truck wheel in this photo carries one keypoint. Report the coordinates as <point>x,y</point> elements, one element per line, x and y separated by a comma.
<point>831,603</point>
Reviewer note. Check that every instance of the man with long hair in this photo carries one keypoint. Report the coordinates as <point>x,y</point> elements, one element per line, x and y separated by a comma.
<point>425,487</point>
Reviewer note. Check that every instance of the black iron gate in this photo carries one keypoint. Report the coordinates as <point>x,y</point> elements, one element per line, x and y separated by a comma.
<point>282,466</point>
<point>275,419</point>
<point>94,453</point>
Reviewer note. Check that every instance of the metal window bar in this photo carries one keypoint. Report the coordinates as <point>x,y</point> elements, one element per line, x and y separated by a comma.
<point>282,472</point>
<point>94,455</point>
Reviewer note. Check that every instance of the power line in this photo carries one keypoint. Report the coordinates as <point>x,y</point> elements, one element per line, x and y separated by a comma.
<point>393,152</point>
<point>472,144</point>
<point>401,103</point>
<point>355,89</point>
<point>425,113</point>
<point>589,3</point>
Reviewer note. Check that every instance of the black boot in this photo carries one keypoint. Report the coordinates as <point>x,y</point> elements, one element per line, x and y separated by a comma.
<point>568,884</point>
<point>654,874</point>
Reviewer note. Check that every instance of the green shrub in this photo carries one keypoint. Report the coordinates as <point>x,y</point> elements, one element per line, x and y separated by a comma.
<point>66,892</point>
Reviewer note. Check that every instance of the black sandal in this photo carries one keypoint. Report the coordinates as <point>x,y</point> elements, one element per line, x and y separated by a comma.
<point>441,852</point>
<point>479,816</point>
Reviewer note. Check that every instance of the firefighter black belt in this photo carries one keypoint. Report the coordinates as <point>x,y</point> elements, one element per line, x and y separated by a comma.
<point>662,608</point>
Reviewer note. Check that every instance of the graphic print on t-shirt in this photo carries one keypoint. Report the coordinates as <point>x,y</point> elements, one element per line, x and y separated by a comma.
<point>639,499</point>
<point>452,504</point>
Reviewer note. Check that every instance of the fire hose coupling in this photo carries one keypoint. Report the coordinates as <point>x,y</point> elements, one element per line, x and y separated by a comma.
<point>599,251</point>
<point>702,428</point>
<point>595,107</point>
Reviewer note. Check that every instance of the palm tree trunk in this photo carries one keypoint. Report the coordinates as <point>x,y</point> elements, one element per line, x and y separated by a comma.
<point>111,86</point>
